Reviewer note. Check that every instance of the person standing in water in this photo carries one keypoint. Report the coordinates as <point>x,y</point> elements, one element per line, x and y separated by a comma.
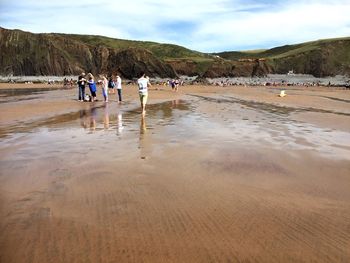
<point>92,86</point>
<point>81,86</point>
<point>111,85</point>
<point>119,88</point>
<point>143,84</point>
<point>104,87</point>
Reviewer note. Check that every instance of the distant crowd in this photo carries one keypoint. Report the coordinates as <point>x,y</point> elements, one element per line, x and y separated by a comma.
<point>176,83</point>
<point>230,82</point>
<point>108,86</point>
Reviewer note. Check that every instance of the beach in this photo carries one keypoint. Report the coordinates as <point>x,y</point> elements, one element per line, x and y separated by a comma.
<point>209,174</point>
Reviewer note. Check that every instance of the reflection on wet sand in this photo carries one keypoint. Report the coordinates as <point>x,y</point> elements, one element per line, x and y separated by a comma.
<point>93,118</point>
<point>143,127</point>
<point>25,91</point>
<point>120,126</point>
<point>83,118</point>
<point>196,180</point>
<point>145,140</point>
<point>106,117</point>
<point>175,103</point>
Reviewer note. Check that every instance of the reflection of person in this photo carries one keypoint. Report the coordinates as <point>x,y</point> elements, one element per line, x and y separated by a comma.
<point>81,86</point>
<point>119,88</point>
<point>83,119</point>
<point>119,124</point>
<point>174,103</point>
<point>145,140</point>
<point>143,127</point>
<point>106,117</point>
<point>143,84</point>
<point>93,119</point>
<point>92,86</point>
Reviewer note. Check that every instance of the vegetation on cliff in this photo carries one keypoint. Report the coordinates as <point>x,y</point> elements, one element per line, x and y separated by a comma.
<point>24,53</point>
<point>320,58</point>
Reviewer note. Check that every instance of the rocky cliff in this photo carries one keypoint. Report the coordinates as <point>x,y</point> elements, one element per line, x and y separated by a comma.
<point>320,58</point>
<point>24,53</point>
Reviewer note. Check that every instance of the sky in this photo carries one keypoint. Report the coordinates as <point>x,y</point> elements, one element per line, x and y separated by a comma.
<point>202,25</point>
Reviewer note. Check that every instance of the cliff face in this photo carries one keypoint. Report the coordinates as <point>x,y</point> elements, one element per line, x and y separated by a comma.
<point>328,59</point>
<point>24,53</point>
<point>217,67</point>
<point>237,69</point>
<point>29,54</point>
<point>319,58</point>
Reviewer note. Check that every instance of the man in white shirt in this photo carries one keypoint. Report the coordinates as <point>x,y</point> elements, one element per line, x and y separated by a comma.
<point>143,84</point>
<point>119,88</point>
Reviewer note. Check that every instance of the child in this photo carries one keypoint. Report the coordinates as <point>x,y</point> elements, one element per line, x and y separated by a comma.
<point>111,85</point>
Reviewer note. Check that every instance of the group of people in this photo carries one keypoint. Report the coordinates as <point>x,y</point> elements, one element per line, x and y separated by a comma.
<point>103,82</point>
<point>174,83</point>
<point>109,86</point>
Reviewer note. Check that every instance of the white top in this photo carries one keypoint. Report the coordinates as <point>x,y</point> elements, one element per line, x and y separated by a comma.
<point>119,83</point>
<point>143,84</point>
<point>105,84</point>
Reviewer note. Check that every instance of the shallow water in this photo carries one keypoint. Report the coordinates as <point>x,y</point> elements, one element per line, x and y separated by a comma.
<point>26,91</point>
<point>199,179</point>
<point>14,94</point>
<point>231,121</point>
<point>216,120</point>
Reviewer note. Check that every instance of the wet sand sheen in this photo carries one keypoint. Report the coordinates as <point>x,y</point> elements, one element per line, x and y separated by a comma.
<point>195,181</point>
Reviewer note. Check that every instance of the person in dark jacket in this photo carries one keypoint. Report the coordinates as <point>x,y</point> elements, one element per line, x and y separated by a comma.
<point>81,86</point>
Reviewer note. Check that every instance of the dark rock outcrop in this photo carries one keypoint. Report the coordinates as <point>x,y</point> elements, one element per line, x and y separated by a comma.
<point>238,69</point>
<point>131,62</point>
<point>24,53</point>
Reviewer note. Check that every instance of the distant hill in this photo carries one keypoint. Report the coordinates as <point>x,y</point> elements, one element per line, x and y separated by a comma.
<point>25,53</point>
<point>320,58</point>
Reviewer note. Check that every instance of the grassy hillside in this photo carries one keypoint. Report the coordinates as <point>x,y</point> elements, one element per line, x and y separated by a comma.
<point>285,51</point>
<point>162,51</point>
<point>319,58</point>
<point>25,53</point>
<point>170,53</point>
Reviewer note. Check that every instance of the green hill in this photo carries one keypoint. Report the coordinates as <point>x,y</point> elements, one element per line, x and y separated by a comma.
<point>25,53</point>
<point>162,51</point>
<point>320,58</point>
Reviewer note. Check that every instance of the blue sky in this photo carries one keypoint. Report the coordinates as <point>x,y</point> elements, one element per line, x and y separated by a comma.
<point>203,25</point>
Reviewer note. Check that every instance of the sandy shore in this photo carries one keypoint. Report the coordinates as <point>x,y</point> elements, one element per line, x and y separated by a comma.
<point>211,174</point>
<point>318,98</point>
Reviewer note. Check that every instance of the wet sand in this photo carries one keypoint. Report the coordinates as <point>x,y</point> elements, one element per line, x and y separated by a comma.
<point>210,174</point>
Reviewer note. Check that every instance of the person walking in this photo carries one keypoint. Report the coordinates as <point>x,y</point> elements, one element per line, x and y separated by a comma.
<point>81,86</point>
<point>143,84</point>
<point>119,88</point>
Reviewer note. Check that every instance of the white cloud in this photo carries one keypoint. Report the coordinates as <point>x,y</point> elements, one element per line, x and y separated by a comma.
<point>293,24</point>
<point>204,25</point>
